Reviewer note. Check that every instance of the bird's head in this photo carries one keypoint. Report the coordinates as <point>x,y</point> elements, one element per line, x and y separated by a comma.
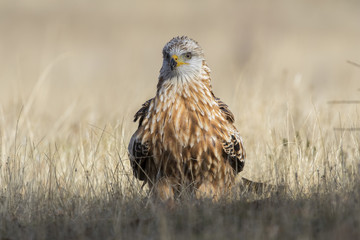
<point>182,58</point>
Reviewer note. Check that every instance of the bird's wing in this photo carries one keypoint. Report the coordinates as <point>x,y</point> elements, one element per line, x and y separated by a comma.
<point>233,150</point>
<point>139,152</point>
<point>141,114</point>
<point>225,110</point>
<point>140,156</point>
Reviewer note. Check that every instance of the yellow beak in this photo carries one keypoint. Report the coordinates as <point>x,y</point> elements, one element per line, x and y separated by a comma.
<point>175,61</point>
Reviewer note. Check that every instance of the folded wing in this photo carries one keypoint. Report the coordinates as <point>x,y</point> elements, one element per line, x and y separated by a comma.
<point>140,153</point>
<point>233,150</point>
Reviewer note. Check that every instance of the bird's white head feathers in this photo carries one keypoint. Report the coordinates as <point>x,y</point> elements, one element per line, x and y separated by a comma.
<point>182,59</point>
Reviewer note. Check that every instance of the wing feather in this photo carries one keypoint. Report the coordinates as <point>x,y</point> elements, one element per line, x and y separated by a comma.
<point>141,114</point>
<point>140,153</point>
<point>233,150</point>
<point>139,158</point>
<point>225,110</point>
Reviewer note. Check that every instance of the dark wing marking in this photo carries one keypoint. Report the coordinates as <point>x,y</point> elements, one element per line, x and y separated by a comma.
<point>225,110</point>
<point>234,152</point>
<point>140,158</point>
<point>141,114</point>
<point>140,154</point>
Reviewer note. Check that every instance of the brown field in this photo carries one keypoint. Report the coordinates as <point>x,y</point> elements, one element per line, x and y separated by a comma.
<point>72,75</point>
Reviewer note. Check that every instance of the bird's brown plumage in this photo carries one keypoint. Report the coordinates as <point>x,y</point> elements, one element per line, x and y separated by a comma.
<point>186,135</point>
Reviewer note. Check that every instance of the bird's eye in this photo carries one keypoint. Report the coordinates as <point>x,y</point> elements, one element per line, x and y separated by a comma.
<point>188,55</point>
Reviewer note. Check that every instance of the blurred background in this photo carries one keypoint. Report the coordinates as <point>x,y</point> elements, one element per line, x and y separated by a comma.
<point>97,61</point>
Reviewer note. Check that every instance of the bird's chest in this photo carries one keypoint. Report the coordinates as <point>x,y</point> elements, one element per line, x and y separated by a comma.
<point>183,126</point>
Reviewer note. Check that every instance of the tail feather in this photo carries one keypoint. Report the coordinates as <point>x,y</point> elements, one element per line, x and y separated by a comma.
<point>260,187</point>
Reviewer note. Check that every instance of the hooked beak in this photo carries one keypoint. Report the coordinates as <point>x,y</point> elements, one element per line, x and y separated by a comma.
<point>174,62</point>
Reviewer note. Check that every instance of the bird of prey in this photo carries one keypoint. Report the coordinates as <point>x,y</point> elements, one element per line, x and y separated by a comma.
<point>186,136</point>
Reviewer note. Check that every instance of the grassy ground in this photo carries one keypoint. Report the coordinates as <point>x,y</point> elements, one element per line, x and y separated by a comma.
<point>73,75</point>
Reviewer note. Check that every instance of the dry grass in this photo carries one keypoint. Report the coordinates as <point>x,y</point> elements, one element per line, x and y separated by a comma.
<point>73,74</point>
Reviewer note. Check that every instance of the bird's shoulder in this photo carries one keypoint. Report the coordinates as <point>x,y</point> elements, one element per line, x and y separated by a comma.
<point>224,109</point>
<point>142,112</point>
